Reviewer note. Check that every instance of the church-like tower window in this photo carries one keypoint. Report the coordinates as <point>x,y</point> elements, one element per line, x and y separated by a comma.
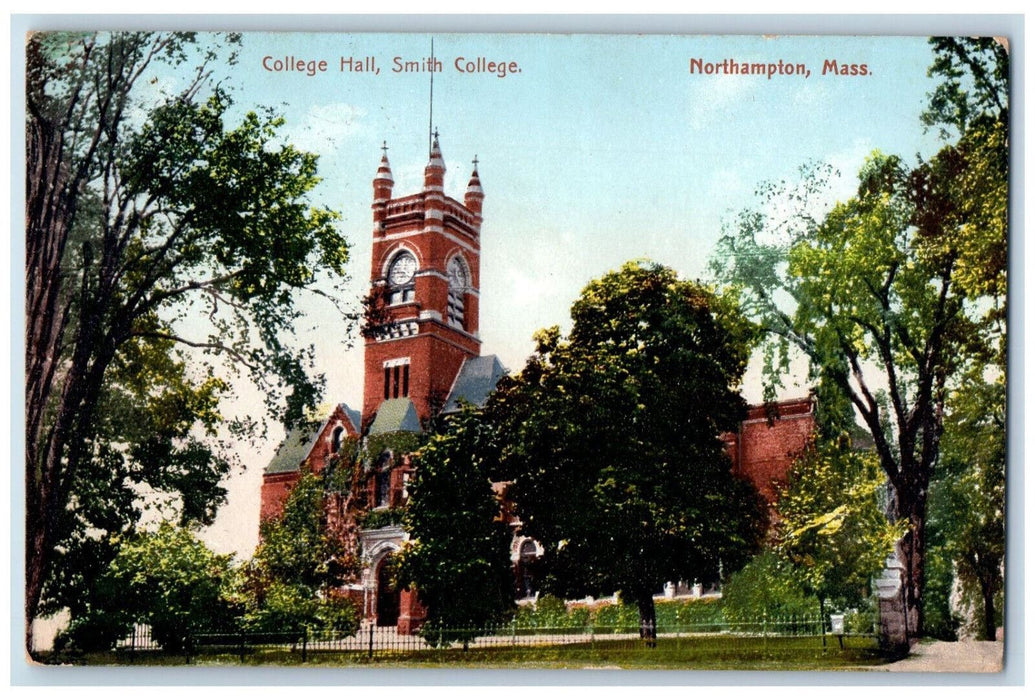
<point>401,275</point>
<point>397,379</point>
<point>458,282</point>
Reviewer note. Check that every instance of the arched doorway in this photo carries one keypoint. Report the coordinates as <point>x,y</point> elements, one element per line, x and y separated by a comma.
<point>387,594</point>
<point>527,557</point>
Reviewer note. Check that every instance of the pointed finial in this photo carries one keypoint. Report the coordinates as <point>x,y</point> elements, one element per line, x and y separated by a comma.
<point>383,181</point>
<point>475,194</point>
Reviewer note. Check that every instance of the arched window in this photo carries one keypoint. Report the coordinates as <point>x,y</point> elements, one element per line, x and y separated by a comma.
<point>401,275</point>
<point>459,281</point>
<point>336,440</point>
<point>383,486</point>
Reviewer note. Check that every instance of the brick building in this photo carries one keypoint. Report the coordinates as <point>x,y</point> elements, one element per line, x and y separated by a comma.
<point>423,355</point>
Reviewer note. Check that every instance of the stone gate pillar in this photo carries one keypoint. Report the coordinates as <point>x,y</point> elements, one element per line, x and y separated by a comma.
<point>893,621</point>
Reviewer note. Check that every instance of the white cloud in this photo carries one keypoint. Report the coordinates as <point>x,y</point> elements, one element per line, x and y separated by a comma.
<point>325,127</point>
<point>715,96</point>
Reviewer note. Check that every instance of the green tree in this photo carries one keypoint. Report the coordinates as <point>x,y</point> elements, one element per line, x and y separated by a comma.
<point>305,557</point>
<point>968,495</point>
<point>171,581</point>
<point>833,526</point>
<point>897,293</point>
<point>770,587</point>
<point>458,557</point>
<point>147,415</point>
<point>164,247</point>
<point>612,439</point>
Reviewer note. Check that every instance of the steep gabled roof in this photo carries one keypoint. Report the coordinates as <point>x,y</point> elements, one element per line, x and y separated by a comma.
<point>298,443</point>
<point>293,451</point>
<point>477,378</point>
<point>353,416</point>
<point>394,415</point>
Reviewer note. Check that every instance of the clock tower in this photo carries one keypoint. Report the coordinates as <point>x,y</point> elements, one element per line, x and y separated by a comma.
<point>424,277</point>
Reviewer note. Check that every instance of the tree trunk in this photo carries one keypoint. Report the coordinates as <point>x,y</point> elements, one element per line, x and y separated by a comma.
<point>914,559</point>
<point>648,619</point>
<point>49,480</point>
<point>988,596</point>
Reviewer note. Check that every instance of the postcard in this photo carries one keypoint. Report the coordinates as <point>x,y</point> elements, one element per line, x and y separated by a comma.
<point>654,351</point>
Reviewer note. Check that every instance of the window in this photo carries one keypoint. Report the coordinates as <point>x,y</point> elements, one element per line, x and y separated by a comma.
<point>336,440</point>
<point>383,487</point>
<point>401,295</point>
<point>401,275</point>
<point>459,280</point>
<point>456,309</point>
<point>397,378</point>
<point>527,557</point>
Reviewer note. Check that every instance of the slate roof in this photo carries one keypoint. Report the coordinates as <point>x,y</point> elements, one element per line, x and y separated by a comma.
<point>476,379</point>
<point>293,450</point>
<point>394,415</point>
<point>298,443</point>
<point>353,416</point>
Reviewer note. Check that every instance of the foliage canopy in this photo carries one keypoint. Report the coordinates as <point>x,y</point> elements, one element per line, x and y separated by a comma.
<point>898,292</point>
<point>611,439</point>
<point>458,556</point>
<point>167,235</point>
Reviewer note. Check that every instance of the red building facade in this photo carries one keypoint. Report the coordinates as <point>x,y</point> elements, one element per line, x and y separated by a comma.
<point>768,441</point>
<point>425,271</point>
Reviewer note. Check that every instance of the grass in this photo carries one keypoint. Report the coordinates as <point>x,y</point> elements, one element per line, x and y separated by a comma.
<point>706,652</point>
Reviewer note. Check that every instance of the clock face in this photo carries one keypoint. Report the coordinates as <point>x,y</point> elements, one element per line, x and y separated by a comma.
<point>402,269</point>
<point>457,273</point>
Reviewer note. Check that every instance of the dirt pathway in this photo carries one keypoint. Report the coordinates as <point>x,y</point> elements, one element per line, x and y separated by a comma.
<point>950,657</point>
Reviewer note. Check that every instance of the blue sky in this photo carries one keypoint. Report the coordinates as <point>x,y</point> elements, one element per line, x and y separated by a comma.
<point>601,149</point>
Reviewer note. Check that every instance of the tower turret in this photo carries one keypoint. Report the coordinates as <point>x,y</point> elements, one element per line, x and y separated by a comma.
<point>424,280</point>
<point>474,196</point>
<point>383,183</point>
<point>435,171</point>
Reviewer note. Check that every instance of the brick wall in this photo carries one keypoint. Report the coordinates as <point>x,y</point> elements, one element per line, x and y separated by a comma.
<point>768,441</point>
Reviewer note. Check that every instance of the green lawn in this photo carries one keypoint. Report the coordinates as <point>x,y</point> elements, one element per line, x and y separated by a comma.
<point>711,652</point>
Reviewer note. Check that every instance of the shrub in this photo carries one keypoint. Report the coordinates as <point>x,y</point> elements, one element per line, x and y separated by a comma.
<point>766,587</point>
<point>93,632</point>
<point>376,519</point>
<point>666,613</point>
<point>859,622</point>
<point>704,615</point>
<point>618,617</point>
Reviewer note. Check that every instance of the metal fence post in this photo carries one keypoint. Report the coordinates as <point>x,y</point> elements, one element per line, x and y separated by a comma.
<point>370,648</point>
<point>765,630</point>
<point>305,643</point>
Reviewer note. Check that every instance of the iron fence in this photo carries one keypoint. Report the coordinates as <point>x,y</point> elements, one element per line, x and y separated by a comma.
<point>373,641</point>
